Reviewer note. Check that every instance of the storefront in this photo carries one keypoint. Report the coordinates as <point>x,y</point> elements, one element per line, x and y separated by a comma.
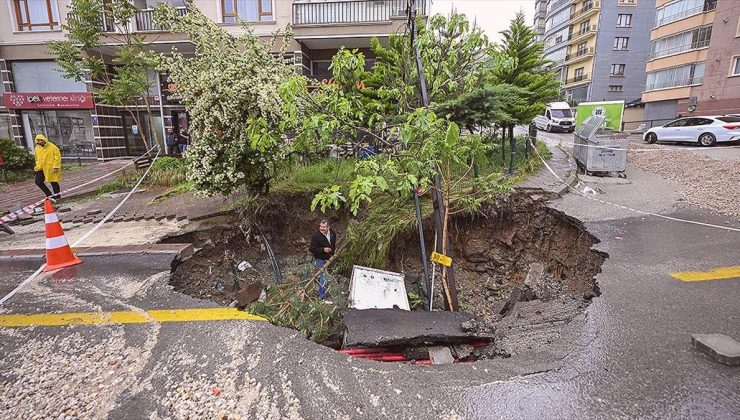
<point>63,117</point>
<point>47,103</point>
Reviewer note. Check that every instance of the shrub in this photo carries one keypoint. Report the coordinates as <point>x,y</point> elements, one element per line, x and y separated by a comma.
<point>16,157</point>
<point>168,163</point>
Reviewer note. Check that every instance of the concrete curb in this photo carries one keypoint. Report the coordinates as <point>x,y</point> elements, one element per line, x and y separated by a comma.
<point>572,179</point>
<point>181,251</point>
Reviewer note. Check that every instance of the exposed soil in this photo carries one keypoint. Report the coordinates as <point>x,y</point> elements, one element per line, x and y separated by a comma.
<point>523,267</point>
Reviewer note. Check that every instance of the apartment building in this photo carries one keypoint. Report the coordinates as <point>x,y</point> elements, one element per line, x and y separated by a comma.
<point>599,47</point>
<point>37,99</point>
<point>694,66</point>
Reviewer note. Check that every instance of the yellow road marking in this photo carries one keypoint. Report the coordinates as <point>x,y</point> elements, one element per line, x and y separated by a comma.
<point>126,317</point>
<point>716,274</point>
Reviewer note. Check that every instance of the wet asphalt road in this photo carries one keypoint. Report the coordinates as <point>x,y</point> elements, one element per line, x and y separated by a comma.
<point>629,355</point>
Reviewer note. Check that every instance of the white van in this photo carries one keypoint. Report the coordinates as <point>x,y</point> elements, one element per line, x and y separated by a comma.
<point>557,116</point>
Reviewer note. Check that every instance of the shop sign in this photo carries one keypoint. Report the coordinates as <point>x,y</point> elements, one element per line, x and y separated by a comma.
<point>56,100</point>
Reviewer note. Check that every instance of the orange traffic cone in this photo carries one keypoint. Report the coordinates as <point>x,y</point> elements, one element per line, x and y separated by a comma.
<point>58,252</point>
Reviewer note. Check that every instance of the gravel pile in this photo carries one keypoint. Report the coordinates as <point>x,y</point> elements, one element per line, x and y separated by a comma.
<point>708,183</point>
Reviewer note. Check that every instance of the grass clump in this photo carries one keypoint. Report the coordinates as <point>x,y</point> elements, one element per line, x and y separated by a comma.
<point>315,176</point>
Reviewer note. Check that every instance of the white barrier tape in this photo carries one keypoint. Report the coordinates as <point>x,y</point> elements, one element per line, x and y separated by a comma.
<point>115,209</point>
<point>84,237</point>
<point>30,208</point>
<point>646,148</point>
<point>647,213</point>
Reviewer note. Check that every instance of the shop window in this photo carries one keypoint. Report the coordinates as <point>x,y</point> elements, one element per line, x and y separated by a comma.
<point>71,131</point>
<point>320,69</point>
<point>234,11</point>
<point>42,76</point>
<point>36,15</point>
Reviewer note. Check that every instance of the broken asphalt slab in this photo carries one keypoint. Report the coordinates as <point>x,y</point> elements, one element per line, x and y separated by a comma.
<point>180,251</point>
<point>391,327</point>
<point>719,347</point>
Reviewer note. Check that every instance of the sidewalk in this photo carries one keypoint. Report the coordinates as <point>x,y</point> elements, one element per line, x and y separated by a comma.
<point>26,192</point>
<point>563,164</point>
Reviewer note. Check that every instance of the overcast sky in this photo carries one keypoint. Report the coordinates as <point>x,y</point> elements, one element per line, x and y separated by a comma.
<point>491,15</point>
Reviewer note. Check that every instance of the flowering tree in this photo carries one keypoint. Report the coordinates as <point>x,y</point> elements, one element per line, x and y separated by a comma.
<point>230,89</point>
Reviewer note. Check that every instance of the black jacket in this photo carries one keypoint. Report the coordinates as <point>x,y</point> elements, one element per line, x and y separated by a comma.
<point>319,242</point>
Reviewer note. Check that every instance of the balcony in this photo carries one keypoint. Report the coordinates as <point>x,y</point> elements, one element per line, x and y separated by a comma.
<point>142,21</point>
<point>662,19</point>
<point>580,79</point>
<point>557,4</point>
<point>575,37</point>
<point>580,54</point>
<point>586,11</point>
<point>675,83</point>
<point>352,11</point>
<point>680,49</point>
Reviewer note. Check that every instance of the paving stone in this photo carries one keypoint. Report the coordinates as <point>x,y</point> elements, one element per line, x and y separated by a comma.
<point>440,355</point>
<point>719,347</point>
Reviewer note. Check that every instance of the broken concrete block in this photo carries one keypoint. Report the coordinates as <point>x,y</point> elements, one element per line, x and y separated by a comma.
<point>535,275</point>
<point>462,351</point>
<point>441,356</point>
<point>248,293</point>
<point>719,347</point>
<point>515,296</point>
<point>416,353</point>
<point>93,212</point>
<point>64,210</point>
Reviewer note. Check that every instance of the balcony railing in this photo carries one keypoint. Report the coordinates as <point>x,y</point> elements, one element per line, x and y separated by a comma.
<point>577,79</point>
<point>142,21</point>
<point>581,32</point>
<point>708,6</point>
<point>585,9</point>
<point>579,53</point>
<point>675,83</point>
<point>352,11</point>
<point>679,49</point>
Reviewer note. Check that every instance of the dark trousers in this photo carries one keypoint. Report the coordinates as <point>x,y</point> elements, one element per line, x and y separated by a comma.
<point>54,185</point>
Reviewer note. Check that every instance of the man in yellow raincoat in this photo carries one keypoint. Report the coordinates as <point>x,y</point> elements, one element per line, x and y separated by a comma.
<point>48,165</point>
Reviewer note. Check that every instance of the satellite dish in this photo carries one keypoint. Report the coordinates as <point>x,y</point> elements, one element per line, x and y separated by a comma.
<point>692,108</point>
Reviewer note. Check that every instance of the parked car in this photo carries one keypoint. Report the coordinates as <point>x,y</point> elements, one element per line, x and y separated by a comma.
<point>557,116</point>
<point>707,131</point>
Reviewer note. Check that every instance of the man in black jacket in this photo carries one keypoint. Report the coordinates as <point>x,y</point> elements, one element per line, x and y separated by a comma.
<point>322,247</point>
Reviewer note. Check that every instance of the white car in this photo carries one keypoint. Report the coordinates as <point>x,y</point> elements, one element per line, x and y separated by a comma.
<point>707,131</point>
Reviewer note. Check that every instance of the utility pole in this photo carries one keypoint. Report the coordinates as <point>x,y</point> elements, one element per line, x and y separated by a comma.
<point>451,300</point>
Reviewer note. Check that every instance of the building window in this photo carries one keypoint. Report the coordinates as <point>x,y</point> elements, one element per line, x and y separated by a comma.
<point>235,11</point>
<point>681,42</point>
<point>687,75</point>
<point>627,3</point>
<point>616,88</point>
<point>584,27</point>
<point>735,71</point>
<point>36,15</point>
<point>621,42</point>
<point>624,20</point>
<point>617,70</point>
<point>581,49</point>
<point>578,74</point>
<point>680,9</point>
